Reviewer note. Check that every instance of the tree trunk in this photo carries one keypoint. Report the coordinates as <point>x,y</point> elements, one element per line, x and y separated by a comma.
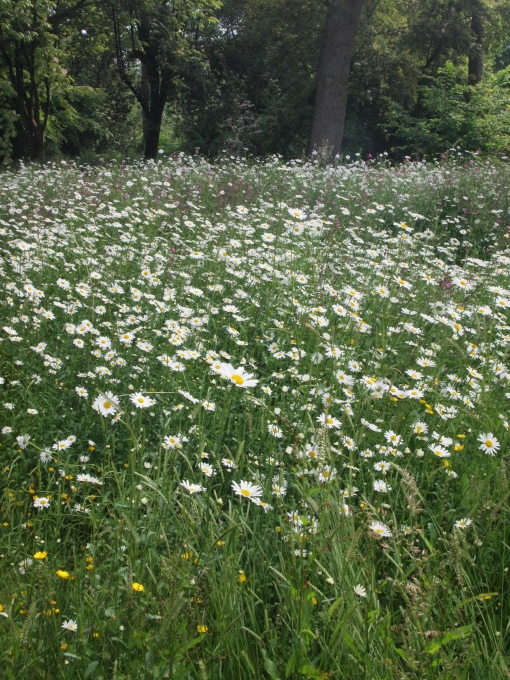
<point>152,129</point>
<point>36,141</point>
<point>33,111</point>
<point>340,30</point>
<point>152,141</point>
<point>145,93</point>
<point>476,55</point>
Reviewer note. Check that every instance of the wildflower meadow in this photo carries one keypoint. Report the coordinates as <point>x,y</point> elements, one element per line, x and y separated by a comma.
<point>254,420</point>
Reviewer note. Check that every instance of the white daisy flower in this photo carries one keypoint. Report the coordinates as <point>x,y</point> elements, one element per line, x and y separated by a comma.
<point>141,401</point>
<point>247,489</point>
<point>238,376</point>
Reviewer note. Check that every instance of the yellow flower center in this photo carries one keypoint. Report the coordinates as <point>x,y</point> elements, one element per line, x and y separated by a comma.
<point>107,404</point>
<point>246,492</point>
<point>238,379</point>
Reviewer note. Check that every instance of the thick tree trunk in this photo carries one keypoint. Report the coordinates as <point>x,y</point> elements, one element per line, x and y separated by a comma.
<point>476,55</point>
<point>151,140</point>
<point>152,120</point>
<point>33,111</point>
<point>342,21</point>
<point>34,131</point>
<point>36,141</point>
<point>145,94</point>
<point>155,86</point>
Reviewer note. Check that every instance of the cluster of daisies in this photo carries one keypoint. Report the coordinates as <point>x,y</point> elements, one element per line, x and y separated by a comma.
<point>339,343</point>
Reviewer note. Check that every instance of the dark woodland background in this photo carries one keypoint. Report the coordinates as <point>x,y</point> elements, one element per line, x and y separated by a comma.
<point>116,78</point>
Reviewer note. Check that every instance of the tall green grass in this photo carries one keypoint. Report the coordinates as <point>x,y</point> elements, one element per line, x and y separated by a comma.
<point>369,303</point>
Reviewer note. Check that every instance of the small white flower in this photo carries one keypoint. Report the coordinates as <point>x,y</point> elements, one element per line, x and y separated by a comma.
<point>106,404</point>
<point>463,523</point>
<point>380,529</point>
<point>24,565</point>
<point>488,443</point>
<point>381,486</point>
<point>207,469</point>
<point>45,456</point>
<point>41,502</point>
<point>246,489</point>
<point>141,401</point>
<point>192,488</point>
<point>70,625</point>
<point>360,590</point>
<point>237,376</point>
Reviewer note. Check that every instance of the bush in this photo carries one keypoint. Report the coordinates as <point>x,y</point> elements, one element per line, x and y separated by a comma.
<point>449,113</point>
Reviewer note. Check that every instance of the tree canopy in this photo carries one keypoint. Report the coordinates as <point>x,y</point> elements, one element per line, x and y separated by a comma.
<point>90,79</point>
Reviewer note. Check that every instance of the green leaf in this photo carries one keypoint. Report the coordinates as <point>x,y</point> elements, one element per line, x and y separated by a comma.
<point>450,636</point>
<point>189,645</point>
<point>270,666</point>
<point>400,653</point>
<point>371,616</point>
<point>311,672</point>
<point>347,638</point>
<point>247,659</point>
<point>291,664</point>
<point>91,668</point>
<point>307,631</point>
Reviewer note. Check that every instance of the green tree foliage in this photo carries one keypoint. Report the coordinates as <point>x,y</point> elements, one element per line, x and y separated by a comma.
<point>8,119</point>
<point>402,73</point>
<point>456,114</point>
<point>256,94</point>
<point>29,56</point>
<point>100,115</point>
<point>155,43</point>
<point>31,60</point>
<point>88,77</point>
